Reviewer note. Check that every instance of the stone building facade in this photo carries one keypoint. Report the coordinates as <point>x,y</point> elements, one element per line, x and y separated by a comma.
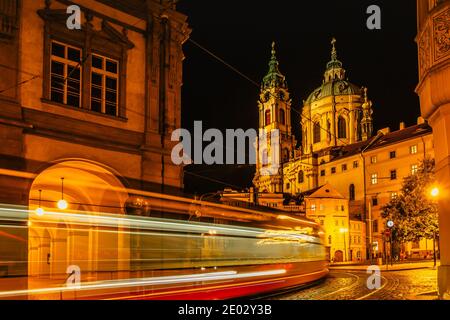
<point>90,108</point>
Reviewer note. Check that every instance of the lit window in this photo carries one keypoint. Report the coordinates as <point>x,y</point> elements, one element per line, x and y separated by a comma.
<point>104,85</point>
<point>373,159</point>
<point>313,207</point>
<point>394,195</point>
<point>65,74</point>
<point>267,117</point>
<point>414,169</point>
<point>374,178</point>
<point>393,174</point>
<point>393,155</point>
<point>413,149</point>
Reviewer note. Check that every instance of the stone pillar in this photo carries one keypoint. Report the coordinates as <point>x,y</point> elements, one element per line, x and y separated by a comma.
<point>434,92</point>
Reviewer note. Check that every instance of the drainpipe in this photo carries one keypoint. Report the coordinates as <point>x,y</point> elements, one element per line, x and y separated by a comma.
<point>368,221</point>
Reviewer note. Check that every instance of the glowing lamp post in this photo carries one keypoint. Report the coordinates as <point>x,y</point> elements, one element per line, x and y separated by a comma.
<point>434,194</point>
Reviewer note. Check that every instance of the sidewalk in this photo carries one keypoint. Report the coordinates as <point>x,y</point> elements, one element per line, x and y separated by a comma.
<point>395,267</point>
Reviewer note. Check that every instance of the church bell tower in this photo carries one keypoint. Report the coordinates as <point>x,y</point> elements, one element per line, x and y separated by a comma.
<point>274,107</point>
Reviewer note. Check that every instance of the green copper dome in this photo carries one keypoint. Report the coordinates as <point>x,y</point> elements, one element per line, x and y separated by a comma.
<point>334,81</point>
<point>274,78</point>
<point>334,88</point>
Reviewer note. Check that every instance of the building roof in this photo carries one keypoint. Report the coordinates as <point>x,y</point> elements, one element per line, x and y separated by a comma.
<point>401,135</point>
<point>324,191</point>
<point>376,142</point>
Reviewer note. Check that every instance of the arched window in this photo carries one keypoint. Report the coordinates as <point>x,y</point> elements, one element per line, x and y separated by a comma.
<point>282,117</point>
<point>265,158</point>
<point>267,117</point>
<point>285,155</point>
<point>301,176</point>
<point>351,192</point>
<point>342,128</point>
<point>316,132</point>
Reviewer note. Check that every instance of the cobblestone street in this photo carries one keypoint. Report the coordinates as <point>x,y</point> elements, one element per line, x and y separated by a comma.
<point>352,285</point>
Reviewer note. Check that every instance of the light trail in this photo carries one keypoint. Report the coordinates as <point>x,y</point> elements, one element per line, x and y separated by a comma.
<point>140,282</point>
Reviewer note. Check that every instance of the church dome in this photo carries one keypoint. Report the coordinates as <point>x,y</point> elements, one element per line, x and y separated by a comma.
<point>334,88</point>
<point>334,81</point>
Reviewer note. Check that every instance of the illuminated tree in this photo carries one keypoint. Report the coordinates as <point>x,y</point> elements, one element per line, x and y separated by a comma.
<point>413,211</point>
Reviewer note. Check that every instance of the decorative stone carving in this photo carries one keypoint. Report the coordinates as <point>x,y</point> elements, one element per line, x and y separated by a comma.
<point>441,26</point>
<point>424,52</point>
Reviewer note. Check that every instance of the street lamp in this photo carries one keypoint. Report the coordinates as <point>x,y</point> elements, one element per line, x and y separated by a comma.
<point>344,231</point>
<point>434,194</point>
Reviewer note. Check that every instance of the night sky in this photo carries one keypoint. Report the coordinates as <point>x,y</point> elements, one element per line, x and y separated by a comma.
<point>241,32</point>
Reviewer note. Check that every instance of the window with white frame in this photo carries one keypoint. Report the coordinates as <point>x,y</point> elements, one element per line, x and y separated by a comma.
<point>65,74</point>
<point>104,85</point>
<point>374,178</point>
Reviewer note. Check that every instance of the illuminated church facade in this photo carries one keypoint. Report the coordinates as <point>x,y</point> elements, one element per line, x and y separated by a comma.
<point>342,171</point>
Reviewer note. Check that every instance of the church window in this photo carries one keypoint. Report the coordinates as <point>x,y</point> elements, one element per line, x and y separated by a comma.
<point>352,192</point>
<point>301,176</point>
<point>265,158</point>
<point>285,155</point>
<point>268,117</point>
<point>282,117</point>
<point>342,128</point>
<point>316,132</point>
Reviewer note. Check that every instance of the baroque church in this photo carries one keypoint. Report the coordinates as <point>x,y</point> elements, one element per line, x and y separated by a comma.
<point>342,172</point>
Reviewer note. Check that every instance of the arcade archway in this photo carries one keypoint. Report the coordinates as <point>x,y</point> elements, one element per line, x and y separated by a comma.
<point>58,240</point>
